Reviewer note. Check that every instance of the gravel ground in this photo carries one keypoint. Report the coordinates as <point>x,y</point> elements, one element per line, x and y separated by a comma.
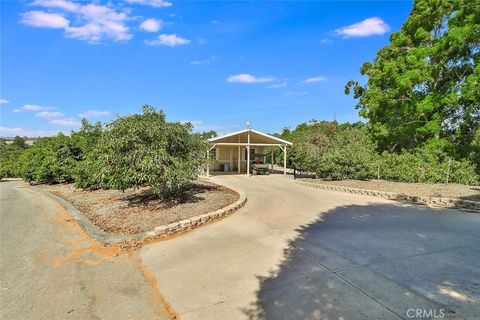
<point>134,211</point>
<point>450,190</point>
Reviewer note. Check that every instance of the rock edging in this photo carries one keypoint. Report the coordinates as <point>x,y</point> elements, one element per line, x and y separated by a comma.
<point>107,238</point>
<point>436,202</point>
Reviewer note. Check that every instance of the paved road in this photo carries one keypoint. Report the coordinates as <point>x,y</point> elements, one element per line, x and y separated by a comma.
<point>300,253</point>
<point>51,270</point>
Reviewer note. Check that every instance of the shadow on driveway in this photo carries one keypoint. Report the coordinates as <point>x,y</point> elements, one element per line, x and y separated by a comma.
<point>378,261</point>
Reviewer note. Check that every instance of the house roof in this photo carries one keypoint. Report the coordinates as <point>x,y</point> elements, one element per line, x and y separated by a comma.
<point>255,137</point>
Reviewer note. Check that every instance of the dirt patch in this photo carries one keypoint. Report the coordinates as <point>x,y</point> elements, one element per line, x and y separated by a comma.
<point>136,210</point>
<point>450,190</point>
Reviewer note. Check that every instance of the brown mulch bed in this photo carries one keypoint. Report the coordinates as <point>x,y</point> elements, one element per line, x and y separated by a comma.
<point>450,190</point>
<point>135,210</point>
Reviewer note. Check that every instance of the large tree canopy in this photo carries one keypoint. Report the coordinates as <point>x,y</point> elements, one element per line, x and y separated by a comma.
<point>424,87</point>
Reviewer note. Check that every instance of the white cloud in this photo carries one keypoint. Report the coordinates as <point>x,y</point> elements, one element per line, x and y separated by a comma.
<point>277,85</point>
<point>90,22</point>
<point>367,27</point>
<point>49,115</point>
<point>205,61</point>
<point>59,4</point>
<point>170,40</point>
<point>151,25</point>
<point>152,3</point>
<point>70,122</point>
<point>33,107</point>
<point>11,132</point>
<point>214,21</point>
<point>4,101</point>
<point>94,113</point>
<point>314,79</point>
<point>326,41</point>
<point>248,78</point>
<point>42,19</point>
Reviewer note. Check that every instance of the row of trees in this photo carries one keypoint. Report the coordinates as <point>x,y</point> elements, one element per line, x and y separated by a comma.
<point>131,151</point>
<point>348,151</point>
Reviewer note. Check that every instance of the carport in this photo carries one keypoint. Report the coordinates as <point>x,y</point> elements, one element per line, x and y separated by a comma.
<point>232,150</point>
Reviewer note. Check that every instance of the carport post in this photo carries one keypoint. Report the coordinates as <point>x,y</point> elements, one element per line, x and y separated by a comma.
<point>285,160</point>
<point>239,154</point>
<point>272,161</point>
<point>248,154</point>
<point>208,163</point>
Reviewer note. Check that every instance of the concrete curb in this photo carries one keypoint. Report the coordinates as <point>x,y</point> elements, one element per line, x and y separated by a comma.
<point>435,202</point>
<point>106,238</point>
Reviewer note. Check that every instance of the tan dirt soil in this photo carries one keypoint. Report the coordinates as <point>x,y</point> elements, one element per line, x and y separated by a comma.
<point>135,210</point>
<point>450,190</point>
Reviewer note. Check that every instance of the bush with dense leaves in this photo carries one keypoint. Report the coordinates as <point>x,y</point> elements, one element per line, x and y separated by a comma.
<point>58,159</point>
<point>9,158</point>
<point>426,165</point>
<point>144,150</point>
<point>334,151</point>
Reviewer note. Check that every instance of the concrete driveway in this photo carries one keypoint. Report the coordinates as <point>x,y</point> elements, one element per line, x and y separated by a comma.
<point>299,253</point>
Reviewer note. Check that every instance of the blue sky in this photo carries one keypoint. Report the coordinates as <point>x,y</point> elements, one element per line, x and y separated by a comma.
<point>216,64</point>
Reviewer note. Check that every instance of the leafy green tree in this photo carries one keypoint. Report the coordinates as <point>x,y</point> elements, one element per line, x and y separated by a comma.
<point>19,142</point>
<point>145,150</point>
<point>51,160</point>
<point>205,135</point>
<point>424,87</point>
<point>9,161</point>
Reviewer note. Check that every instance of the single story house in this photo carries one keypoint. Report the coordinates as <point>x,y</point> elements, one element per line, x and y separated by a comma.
<point>231,151</point>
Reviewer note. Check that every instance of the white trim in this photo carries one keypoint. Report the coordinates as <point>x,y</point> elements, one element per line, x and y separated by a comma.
<point>250,130</point>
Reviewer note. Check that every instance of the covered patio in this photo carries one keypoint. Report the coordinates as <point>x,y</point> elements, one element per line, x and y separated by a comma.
<point>229,153</point>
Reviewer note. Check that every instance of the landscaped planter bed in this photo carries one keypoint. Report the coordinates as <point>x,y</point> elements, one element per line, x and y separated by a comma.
<point>450,190</point>
<point>436,195</point>
<point>135,211</point>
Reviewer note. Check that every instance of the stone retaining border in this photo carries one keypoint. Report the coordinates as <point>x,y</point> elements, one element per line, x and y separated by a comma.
<point>107,238</point>
<point>465,205</point>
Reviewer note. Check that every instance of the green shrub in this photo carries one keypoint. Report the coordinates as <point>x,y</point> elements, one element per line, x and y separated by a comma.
<point>426,165</point>
<point>10,161</point>
<point>59,159</point>
<point>335,151</point>
<point>50,160</point>
<point>144,150</point>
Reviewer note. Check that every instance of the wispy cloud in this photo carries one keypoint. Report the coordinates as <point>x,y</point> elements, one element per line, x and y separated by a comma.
<point>326,41</point>
<point>294,93</point>
<point>91,22</point>
<point>367,27</point>
<point>277,85</point>
<point>205,61</point>
<point>94,113</point>
<point>50,115</point>
<point>4,101</point>
<point>170,40</point>
<point>248,78</point>
<point>33,107</point>
<point>314,79</point>
<point>68,122</point>
<point>11,132</point>
<point>151,25</point>
<point>152,3</point>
